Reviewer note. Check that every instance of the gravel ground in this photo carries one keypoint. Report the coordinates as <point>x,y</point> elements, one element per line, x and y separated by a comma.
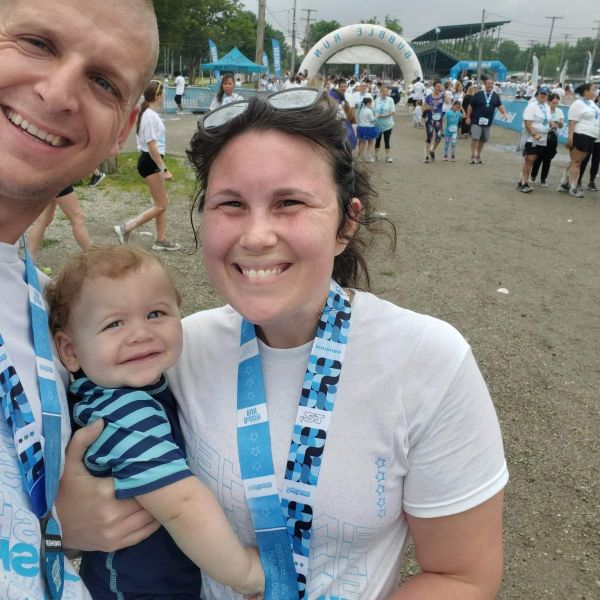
<point>464,232</point>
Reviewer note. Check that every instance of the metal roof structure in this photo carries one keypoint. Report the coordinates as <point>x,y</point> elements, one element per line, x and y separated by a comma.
<point>455,32</point>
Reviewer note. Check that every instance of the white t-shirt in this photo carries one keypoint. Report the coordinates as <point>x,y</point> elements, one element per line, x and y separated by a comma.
<point>587,115</point>
<point>418,90</point>
<point>413,430</point>
<point>365,117</point>
<point>151,128</point>
<point>19,528</point>
<point>540,116</point>
<point>359,97</point>
<point>226,100</point>
<point>179,85</point>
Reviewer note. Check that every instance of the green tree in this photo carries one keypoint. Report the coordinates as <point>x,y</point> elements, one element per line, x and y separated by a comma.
<point>318,30</point>
<point>509,53</point>
<point>393,24</point>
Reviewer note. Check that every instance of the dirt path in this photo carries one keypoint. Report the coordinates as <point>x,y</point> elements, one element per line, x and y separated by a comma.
<point>464,232</point>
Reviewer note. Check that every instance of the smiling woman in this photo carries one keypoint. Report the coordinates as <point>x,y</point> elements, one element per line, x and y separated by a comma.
<point>302,353</point>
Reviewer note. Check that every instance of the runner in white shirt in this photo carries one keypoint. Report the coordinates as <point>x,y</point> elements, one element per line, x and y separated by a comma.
<point>179,90</point>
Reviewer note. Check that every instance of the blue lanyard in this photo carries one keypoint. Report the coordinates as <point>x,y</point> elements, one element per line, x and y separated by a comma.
<point>40,469</point>
<point>544,113</point>
<point>285,524</point>
<point>488,98</point>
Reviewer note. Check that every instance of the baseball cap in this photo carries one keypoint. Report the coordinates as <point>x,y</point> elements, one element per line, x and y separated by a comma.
<point>544,90</point>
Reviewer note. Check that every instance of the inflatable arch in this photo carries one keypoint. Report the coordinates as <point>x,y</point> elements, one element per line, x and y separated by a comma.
<point>363,35</point>
<point>471,65</point>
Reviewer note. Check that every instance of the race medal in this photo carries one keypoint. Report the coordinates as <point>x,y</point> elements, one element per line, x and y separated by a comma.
<point>51,557</point>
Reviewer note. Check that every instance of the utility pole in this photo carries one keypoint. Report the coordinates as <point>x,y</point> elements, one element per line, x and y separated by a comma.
<point>531,42</point>
<point>549,42</point>
<point>562,51</point>
<point>260,33</point>
<point>307,29</point>
<point>480,44</point>
<point>293,61</point>
<point>595,47</point>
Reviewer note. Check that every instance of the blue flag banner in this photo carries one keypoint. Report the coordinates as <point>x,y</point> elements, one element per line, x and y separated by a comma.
<point>276,57</point>
<point>214,57</point>
<point>266,61</point>
<point>356,71</point>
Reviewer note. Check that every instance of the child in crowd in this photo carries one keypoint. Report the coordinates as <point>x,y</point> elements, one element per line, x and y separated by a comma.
<point>452,120</point>
<point>114,313</point>
<point>417,114</point>
<point>367,132</point>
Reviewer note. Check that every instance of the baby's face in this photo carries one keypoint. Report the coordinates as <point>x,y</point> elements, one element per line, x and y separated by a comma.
<point>123,332</point>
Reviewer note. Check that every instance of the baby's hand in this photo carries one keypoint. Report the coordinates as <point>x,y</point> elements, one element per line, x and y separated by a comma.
<point>255,583</point>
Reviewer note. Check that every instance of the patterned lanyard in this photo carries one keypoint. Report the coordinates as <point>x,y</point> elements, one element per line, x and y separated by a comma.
<point>40,468</point>
<point>544,110</point>
<point>272,517</point>
<point>488,97</point>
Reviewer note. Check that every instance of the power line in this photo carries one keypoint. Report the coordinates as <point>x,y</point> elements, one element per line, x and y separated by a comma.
<point>552,28</point>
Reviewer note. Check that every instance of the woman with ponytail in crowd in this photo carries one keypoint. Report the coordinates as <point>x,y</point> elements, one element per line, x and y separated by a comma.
<point>151,143</point>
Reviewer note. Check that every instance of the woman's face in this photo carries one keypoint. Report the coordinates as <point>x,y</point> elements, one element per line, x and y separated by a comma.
<point>553,103</point>
<point>269,232</point>
<point>228,85</point>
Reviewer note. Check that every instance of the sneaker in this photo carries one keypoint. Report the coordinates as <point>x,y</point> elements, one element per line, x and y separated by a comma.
<point>389,159</point>
<point>445,158</point>
<point>453,159</point>
<point>370,160</point>
<point>478,161</point>
<point>472,161</point>
<point>122,235</point>
<point>564,188</point>
<point>577,192</point>
<point>96,179</point>
<point>426,160</point>
<point>376,158</point>
<point>432,155</point>
<point>165,245</point>
<point>543,183</point>
<point>524,187</point>
<point>592,187</point>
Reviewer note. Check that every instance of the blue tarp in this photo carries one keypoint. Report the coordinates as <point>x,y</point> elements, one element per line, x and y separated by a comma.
<point>236,62</point>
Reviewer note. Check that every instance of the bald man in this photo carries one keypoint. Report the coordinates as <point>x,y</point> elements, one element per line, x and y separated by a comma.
<point>72,72</point>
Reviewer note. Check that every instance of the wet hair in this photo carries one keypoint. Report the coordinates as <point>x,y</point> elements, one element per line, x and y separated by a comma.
<point>366,101</point>
<point>322,127</point>
<point>151,93</point>
<point>221,92</point>
<point>114,262</point>
<point>457,103</point>
<point>582,88</point>
<point>552,96</point>
<point>177,73</point>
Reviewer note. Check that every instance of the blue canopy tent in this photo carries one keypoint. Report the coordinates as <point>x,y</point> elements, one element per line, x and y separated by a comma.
<point>235,62</point>
<point>471,65</point>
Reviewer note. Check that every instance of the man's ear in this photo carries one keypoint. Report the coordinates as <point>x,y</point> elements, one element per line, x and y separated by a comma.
<point>66,351</point>
<point>350,226</point>
<point>124,133</point>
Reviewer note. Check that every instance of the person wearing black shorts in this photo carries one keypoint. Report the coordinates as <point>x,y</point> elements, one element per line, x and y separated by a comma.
<point>537,121</point>
<point>584,129</point>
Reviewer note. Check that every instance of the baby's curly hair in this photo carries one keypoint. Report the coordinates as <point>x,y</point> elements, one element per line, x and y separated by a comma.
<point>98,261</point>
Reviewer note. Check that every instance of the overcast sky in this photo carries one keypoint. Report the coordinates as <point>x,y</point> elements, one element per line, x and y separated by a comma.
<point>527,17</point>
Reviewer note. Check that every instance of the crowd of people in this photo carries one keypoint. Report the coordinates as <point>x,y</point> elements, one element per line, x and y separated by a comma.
<point>199,445</point>
<point>258,386</point>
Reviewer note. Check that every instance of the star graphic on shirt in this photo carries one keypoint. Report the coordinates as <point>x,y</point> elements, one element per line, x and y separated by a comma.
<point>381,502</point>
<point>380,489</point>
<point>381,513</point>
<point>255,451</point>
<point>380,476</point>
<point>256,465</point>
<point>380,462</point>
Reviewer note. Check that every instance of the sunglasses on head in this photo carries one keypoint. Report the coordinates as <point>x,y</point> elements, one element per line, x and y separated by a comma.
<point>292,99</point>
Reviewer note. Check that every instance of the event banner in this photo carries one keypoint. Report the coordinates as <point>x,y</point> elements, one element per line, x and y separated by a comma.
<point>214,57</point>
<point>266,61</point>
<point>276,57</point>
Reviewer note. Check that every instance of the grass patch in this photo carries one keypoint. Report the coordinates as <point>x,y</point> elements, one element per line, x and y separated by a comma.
<point>388,273</point>
<point>49,242</point>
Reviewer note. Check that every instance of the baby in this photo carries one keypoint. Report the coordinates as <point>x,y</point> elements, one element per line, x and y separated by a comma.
<point>114,313</point>
<point>417,115</point>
